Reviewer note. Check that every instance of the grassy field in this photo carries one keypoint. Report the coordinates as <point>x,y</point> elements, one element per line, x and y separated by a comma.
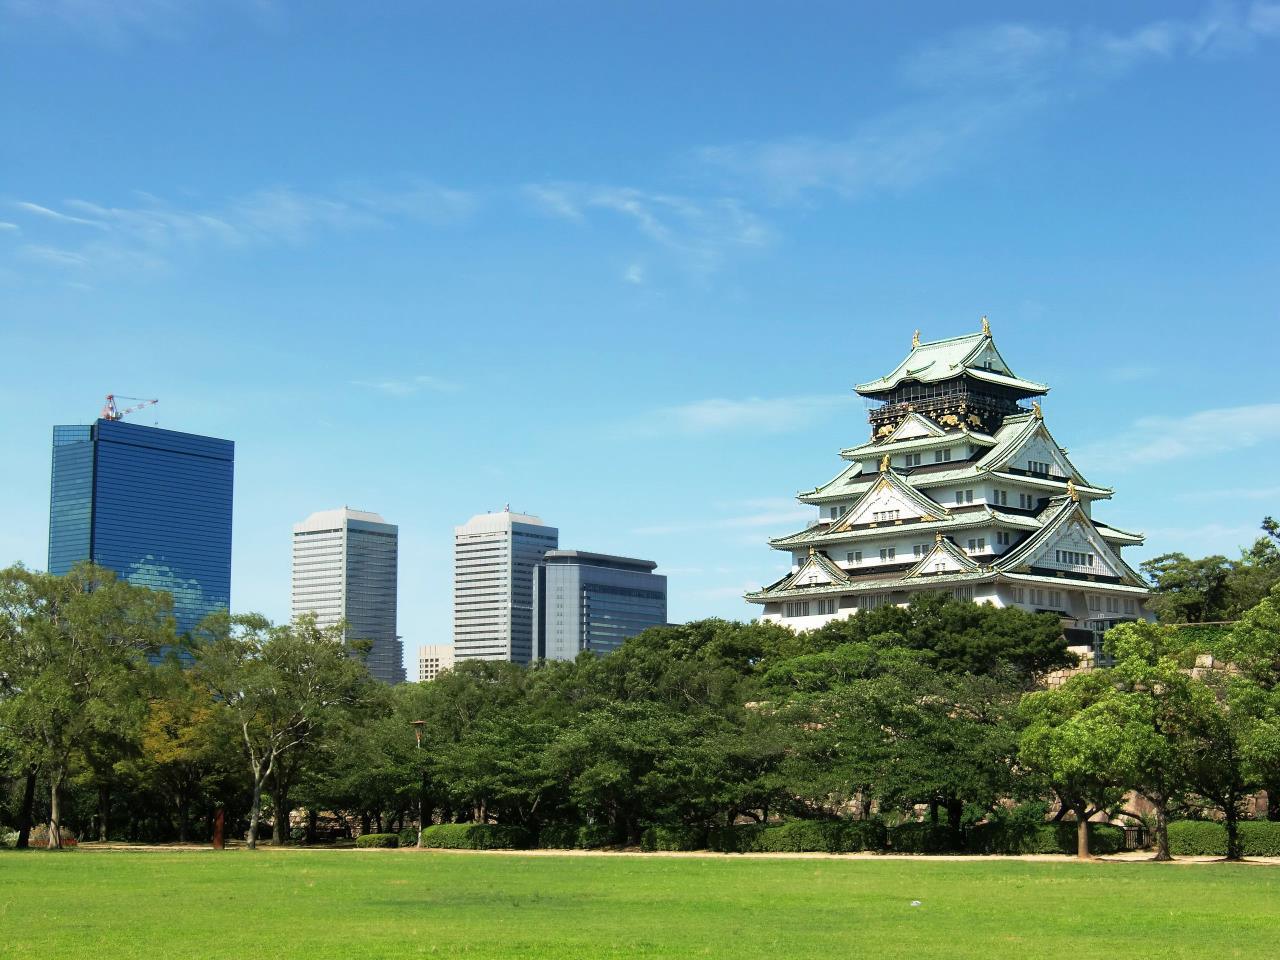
<point>391,904</point>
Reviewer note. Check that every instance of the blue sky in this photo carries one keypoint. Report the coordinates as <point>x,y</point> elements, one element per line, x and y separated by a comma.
<point>619,265</point>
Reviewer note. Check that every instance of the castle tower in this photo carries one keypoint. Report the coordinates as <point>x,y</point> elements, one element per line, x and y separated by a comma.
<point>961,488</point>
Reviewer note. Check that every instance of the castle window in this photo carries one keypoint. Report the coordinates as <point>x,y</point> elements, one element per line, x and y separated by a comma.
<point>1002,537</point>
<point>964,496</point>
<point>1038,466</point>
<point>827,606</point>
<point>888,553</point>
<point>1019,595</point>
<point>1130,606</point>
<point>1000,497</point>
<point>919,550</point>
<point>882,516</point>
<point>796,608</point>
<point>941,456</point>
<point>977,545</point>
<point>1026,501</point>
<point>854,557</point>
<point>913,459</point>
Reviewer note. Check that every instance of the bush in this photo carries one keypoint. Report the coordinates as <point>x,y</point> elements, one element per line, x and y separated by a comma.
<point>1016,837</point>
<point>572,836</point>
<point>1260,838</point>
<point>739,838</point>
<point>800,836</point>
<point>925,837</point>
<point>476,836</point>
<point>378,840</point>
<point>409,837</point>
<point>662,837</point>
<point>1204,838</point>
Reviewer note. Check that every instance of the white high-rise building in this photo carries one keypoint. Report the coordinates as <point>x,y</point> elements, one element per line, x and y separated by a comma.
<point>433,659</point>
<point>493,559</point>
<point>344,568</point>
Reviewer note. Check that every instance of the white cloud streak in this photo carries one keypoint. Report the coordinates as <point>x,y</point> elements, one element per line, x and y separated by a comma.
<point>145,234</point>
<point>969,87</point>
<point>409,387</point>
<point>1156,440</point>
<point>764,414</point>
<point>702,232</point>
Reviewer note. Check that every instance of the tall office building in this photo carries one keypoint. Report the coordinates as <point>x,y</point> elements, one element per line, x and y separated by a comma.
<point>152,505</point>
<point>593,601</point>
<point>493,559</point>
<point>344,568</point>
<point>434,659</point>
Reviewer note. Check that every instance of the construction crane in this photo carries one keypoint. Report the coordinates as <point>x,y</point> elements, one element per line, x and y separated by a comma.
<point>111,412</point>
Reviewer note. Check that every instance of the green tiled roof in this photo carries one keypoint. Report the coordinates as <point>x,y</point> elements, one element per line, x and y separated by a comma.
<point>881,447</point>
<point>945,359</point>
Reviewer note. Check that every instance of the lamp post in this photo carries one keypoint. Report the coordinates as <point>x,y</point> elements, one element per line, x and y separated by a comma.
<point>422,789</point>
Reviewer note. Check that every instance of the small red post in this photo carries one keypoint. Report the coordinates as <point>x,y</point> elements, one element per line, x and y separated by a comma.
<point>219,823</point>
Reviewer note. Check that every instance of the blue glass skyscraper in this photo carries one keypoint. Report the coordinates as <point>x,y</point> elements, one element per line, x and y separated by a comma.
<point>152,505</point>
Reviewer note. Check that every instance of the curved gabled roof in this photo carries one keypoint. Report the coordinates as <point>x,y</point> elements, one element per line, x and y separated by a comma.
<point>950,358</point>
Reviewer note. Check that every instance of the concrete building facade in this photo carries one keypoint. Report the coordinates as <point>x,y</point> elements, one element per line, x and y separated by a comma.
<point>494,558</point>
<point>434,659</point>
<point>345,568</point>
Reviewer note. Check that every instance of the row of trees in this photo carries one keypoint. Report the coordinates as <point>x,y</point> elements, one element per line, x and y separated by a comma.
<point>931,708</point>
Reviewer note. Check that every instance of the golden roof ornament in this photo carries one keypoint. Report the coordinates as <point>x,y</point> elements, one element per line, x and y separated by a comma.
<point>1035,408</point>
<point>884,464</point>
<point>986,326</point>
<point>1072,492</point>
<point>915,339</point>
<point>811,551</point>
<point>937,537</point>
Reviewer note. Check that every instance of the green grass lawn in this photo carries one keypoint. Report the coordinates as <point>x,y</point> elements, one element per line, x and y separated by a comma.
<point>374,904</point>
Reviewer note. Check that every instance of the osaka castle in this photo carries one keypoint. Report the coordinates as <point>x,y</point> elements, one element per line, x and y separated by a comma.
<point>961,488</point>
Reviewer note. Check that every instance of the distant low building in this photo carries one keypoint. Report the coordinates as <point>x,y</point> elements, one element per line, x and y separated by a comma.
<point>345,568</point>
<point>433,659</point>
<point>593,601</point>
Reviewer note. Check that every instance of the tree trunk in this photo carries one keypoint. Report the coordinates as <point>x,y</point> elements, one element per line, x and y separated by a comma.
<point>955,813</point>
<point>365,821</point>
<point>1162,832</point>
<point>55,811</point>
<point>1082,835</point>
<point>104,810</point>
<point>24,815</point>
<point>1234,852</point>
<point>280,823</point>
<point>255,813</point>
<point>183,816</point>
<point>311,824</point>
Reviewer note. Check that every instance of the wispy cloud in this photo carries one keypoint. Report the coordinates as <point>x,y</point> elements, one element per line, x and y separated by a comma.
<point>114,22</point>
<point>772,512</point>
<point>146,233</point>
<point>408,387</point>
<point>765,414</point>
<point>634,274</point>
<point>7,227</point>
<point>1155,440</point>
<point>970,86</point>
<point>1131,372</point>
<point>702,231</point>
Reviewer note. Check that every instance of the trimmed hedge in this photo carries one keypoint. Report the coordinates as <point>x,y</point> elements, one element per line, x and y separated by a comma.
<point>800,836</point>
<point>1016,838</point>
<point>674,838</point>
<point>378,840</point>
<point>568,836</point>
<point>476,836</point>
<point>925,837</point>
<point>1204,838</point>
